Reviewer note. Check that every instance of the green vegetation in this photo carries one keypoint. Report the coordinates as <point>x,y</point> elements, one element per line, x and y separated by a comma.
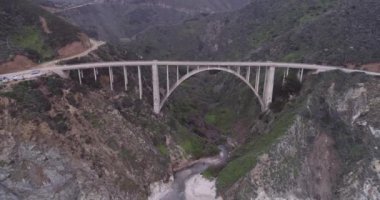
<point>295,56</point>
<point>222,118</point>
<point>59,123</point>
<point>193,144</point>
<point>295,31</point>
<point>245,157</point>
<point>126,184</point>
<point>210,118</point>
<point>3,163</point>
<point>94,119</point>
<point>212,173</point>
<point>163,149</point>
<point>29,98</point>
<point>23,33</point>
<point>313,11</point>
<point>55,85</point>
<point>30,39</point>
<point>127,156</point>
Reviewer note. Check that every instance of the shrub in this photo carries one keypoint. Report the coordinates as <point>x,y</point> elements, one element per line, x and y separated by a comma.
<point>29,98</point>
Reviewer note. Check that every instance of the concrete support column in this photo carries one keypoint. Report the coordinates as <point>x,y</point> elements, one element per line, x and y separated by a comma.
<point>95,74</point>
<point>187,69</point>
<point>300,75</point>
<point>156,89</point>
<point>140,81</point>
<point>80,77</point>
<point>177,73</point>
<point>238,70</point>
<point>125,72</point>
<point>111,77</point>
<point>167,80</point>
<point>268,87</point>
<point>257,83</point>
<point>248,75</point>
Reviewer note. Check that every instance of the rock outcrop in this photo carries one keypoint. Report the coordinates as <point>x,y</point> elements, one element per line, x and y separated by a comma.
<point>330,150</point>
<point>58,141</point>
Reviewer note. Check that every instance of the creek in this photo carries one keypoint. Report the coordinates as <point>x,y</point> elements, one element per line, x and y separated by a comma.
<point>188,183</point>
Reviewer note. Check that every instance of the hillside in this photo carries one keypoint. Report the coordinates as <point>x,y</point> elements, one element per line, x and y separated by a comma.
<point>30,35</point>
<point>334,32</point>
<point>195,6</point>
<point>120,20</point>
<point>63,140</point>
<point>323,145</point>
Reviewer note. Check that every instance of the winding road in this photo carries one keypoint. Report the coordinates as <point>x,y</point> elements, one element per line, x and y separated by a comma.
<point>48,67</point>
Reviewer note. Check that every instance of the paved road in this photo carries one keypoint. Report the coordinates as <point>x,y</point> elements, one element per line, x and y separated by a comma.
<point>206,64</point>
<point>51,66</point>
<point>74,7</point>
<point>94,46</point>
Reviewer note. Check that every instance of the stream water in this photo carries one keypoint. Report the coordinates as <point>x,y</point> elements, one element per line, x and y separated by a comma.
<point>189,184</point>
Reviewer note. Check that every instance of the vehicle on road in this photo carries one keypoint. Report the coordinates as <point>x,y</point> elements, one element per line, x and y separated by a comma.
<point>4,79</point>
<point>35,72</point>
<point>17,77</point>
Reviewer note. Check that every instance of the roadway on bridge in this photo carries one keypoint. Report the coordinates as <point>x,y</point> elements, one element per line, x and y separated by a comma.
<point>50,67</point>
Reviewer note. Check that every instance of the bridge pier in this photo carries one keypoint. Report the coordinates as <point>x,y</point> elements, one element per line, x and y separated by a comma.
<point>177,73</point>
<point>300,75</point>
<point>268,87</point>
<point>167,80</point>
<point>111,77</point>
<point>156,89</point>
<point>95,74</point>
<point>125,78</point>
<point>80,77</point>
<point>257,83</point>
<point>140,81</point>
<point>248,75</point>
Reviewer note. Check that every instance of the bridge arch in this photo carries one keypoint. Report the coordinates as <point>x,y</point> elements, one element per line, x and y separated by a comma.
<point>197,71</point>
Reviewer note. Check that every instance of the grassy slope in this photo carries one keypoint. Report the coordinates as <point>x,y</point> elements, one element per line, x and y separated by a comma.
<point>245,157</point>
<point>21,31</point>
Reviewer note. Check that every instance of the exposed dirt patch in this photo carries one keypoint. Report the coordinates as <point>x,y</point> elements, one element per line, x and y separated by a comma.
<point>323,166</point>
<point>373,67</point>
<point>240,131</point>
<point>75,48</point>
<point>44,25</point>
<point>50,9</point>
<point>18,63</point>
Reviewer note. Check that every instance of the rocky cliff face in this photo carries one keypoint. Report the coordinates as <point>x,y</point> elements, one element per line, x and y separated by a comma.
<point>330,150</point>
<point>62,142</point>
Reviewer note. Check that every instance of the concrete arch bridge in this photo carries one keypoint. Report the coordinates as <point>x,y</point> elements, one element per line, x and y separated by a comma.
<point>258,76</point>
